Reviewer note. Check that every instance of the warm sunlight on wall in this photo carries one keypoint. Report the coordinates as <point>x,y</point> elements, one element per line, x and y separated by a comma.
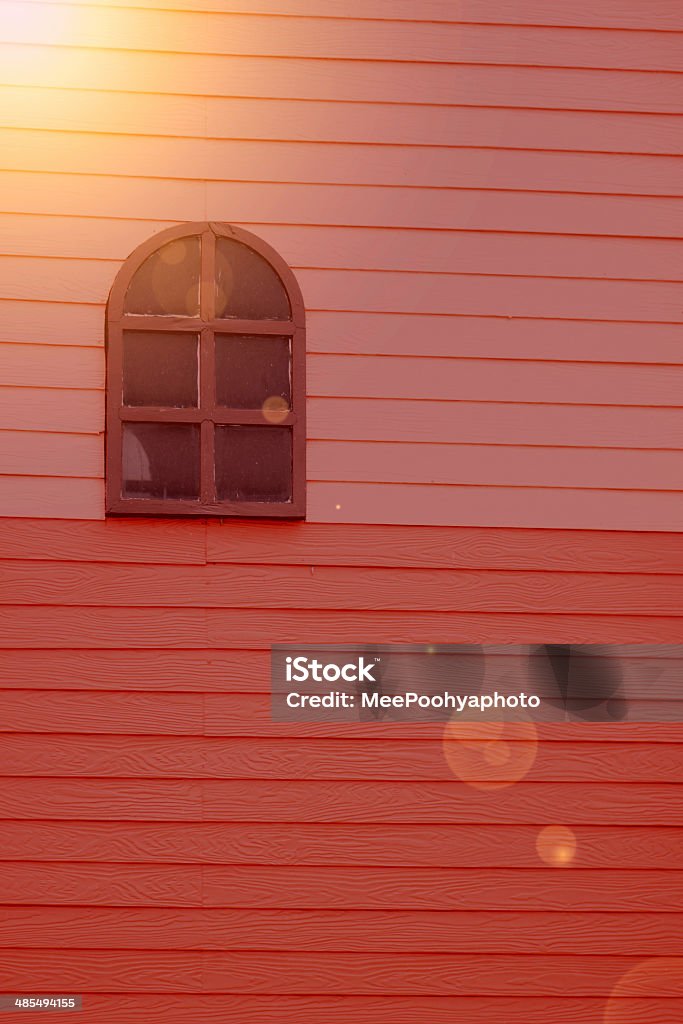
<point>23,21</point>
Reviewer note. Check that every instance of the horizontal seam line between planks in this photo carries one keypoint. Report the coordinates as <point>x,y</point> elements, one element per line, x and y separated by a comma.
<point>355,227</point>
<point>628,112</point>
<point>392,60</point>
<point>256,867</point>
<point>345,19</point>
<point>122,90</point>
<point>396,613</point>
<point>404,271</point>
<point>346,184</point>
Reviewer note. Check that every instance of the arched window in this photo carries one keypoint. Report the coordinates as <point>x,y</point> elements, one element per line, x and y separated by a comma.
<point>205,378</point>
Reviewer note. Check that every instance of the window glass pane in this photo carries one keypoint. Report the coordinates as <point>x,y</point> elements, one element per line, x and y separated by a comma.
<point>160,460</point>
<point>160,368</point>
<point>167,283</point>
<point>253,463</point>
<point>250,369</point>
<point>247,287</point>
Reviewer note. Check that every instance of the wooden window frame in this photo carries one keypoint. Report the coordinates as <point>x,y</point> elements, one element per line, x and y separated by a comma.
<point>207,413</point>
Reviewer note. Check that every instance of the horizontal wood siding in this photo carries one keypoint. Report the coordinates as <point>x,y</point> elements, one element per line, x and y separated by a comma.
<point>483,204</point>
<point>164,839</point>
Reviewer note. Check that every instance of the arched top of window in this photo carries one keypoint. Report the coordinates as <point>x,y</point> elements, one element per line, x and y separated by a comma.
<point>205,378</point>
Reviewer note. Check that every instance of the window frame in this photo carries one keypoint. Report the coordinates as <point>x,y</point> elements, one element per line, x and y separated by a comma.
<point>207,414</point>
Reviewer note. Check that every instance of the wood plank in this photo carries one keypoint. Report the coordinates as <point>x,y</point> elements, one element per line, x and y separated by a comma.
<point>413,378</point>
<point>43,454</point>
<point>238,714</point>
<point>237,971</point>
<point>475,295</point>
<point>434,547</point>
<point>629,934</point>
<point>349,888</point>
<point>89,281</point>
<point>250,715</point>
<point>50,496</point>
<point>73,366</point>
<point>661,14</point>
<point>341,588</point>
<point>229,75</point>
<point>494,337</point>
<point>136,713</point>
<point>506,380</point>
<point>222,671</point>
<point>118,28</point>
<point>24,192</point>
<point>146,671</point>
<point>385,1009</point>
<point>369,206</point>
<point>293,543</point>
<point>105,799</point>
<point>567,508</point>
<point>334,844</point>
<point>288,119</point>
<point>59,410</point>
<point>487,464</point>
<point>392,249</point>
<point>38,751</point>
<point>590,426</point>
<point>50,322</point>
<point>116,540</point>
<point>53,627</point>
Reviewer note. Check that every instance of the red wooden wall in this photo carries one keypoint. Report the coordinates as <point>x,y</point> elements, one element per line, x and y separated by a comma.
<point>482,201</point>
<point>171,852</point>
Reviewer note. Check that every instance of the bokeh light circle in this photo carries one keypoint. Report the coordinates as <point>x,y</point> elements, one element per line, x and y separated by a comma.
<point>490,755</point>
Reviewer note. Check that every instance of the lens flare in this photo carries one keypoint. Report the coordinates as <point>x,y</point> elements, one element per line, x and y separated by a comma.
<point>490,755</point>
<point>659,977</point>
<point>275,409</point>
<point>556,845</point>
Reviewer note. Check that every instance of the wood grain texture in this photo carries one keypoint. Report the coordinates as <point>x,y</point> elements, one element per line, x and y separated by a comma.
<point>335,844</point>
<point>336,587</point>
<point>167,799</point>
<point>176,972</point>
<point>483,206</point>
<point>143,671</point>
<point>348,888</point>
<point>434,547</point>
<point>248,714</point>
<point>226,671</point>
<point>32,752</point>
<point>116,540</point>
<point>192,628</point>
<point>386,1009</point>
<point>292,543</point>
<point>629,934</point>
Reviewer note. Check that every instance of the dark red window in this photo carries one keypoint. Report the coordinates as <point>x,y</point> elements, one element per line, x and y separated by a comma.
<point>205,378</point>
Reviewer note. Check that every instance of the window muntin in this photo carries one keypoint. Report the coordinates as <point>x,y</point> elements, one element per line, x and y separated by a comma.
<point>205,378</point>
